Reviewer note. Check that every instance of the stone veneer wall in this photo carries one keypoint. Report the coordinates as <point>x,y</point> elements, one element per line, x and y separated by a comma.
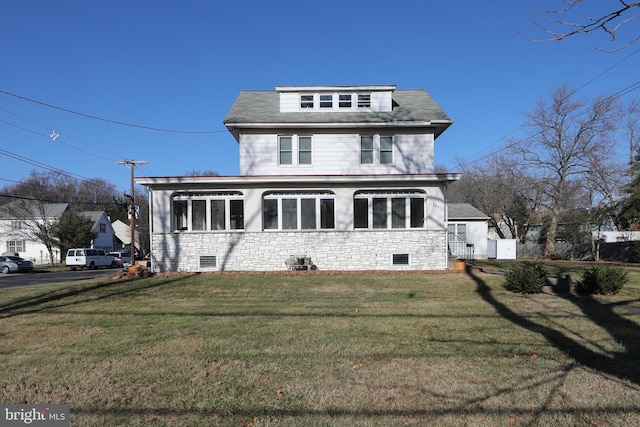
<point>267,251</point>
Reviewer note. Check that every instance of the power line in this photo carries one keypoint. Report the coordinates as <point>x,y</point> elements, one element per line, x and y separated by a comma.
<point>117,122</point>
<point>568,96</point>
<point>57,135</point>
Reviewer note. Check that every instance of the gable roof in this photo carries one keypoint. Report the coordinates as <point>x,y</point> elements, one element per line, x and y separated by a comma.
<point>51,210</point>
<point>459,211</point>
<point>410,107</point>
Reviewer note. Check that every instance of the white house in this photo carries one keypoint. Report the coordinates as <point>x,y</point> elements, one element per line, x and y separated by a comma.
<point>102,229</point>
<point>16,220</point>
<point>123,235</point>
<point>467,231</point>
<point>340,177</point>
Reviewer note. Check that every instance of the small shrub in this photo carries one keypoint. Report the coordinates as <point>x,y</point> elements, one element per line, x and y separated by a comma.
<point>526,277</point>
<point>604,279</point>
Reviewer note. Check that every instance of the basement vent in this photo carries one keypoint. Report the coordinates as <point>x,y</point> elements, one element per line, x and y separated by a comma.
<point>400,259</point>
<point>208,262</point>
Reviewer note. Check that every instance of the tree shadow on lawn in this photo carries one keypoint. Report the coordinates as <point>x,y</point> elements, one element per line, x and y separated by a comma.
<point>623,364</point>
<point>112,289</point>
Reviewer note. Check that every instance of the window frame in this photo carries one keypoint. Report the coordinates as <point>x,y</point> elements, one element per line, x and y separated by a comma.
<point>307,101</point>
<point>282,151</point>
<point>380,216</point>
<point>277,217</point>
<point>370,151</point>
<point>388,150</point>
<point>204,217</point>
<point>364,100</point>
<point>326,100</point>
<point>345,100</point>
<point>295,152</point>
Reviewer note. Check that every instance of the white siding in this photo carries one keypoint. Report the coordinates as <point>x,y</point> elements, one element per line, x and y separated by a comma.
<point>381,101</point>
<point>336,154</point>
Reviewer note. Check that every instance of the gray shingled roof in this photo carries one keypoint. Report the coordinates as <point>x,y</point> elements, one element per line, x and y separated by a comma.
<point>263,107</point>
<point>51,210</point>
<point>465,211</point>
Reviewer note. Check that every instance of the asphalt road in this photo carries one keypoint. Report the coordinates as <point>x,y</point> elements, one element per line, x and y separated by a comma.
<point>14,280</point>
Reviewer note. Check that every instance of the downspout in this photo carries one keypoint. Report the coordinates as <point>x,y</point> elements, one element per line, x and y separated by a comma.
<point>150,204</point>
<point>446,222</point>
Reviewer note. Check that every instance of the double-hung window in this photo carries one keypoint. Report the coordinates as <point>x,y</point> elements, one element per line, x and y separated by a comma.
<point>306,101</point>
<point>208,211</point>
<point>376,149</point>
<point>14,246</point>
<point>326,101</point>
<point>285,150</point>
<point>388,210</point>
<point>364,100</point>
<point>294,150</point>
<point>344,100</point>
<point>313,210</point>
<point>366,149</point>
<point>386,150</point>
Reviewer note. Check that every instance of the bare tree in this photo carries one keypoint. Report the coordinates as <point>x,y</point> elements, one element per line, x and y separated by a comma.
<point>35,221</point>
<point>632,128</point>
<point>572,18</point>
<point>496,187</point>
<point>570,142</point>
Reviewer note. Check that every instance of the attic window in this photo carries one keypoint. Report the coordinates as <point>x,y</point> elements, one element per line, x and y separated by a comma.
<point>344,101</point>
<point>400,259</point>
<point>326,101</point>
<point>306,101</point>
<point>364,100</point>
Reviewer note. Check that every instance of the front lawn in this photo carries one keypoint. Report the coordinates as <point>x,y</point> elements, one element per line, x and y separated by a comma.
<point>321,349</point>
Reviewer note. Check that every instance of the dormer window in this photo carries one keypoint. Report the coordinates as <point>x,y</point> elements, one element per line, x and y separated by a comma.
<point>306,101</point>
<point>364,100</point>
<point>344,100</point>
<point>326,101</point>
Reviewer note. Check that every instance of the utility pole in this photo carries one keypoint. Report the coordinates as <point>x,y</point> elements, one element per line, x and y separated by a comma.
<point>132,208</point>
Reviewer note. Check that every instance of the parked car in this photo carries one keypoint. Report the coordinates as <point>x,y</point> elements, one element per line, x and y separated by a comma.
<point>10,264</point>
<point>122,257</point>
<point>89,258</point>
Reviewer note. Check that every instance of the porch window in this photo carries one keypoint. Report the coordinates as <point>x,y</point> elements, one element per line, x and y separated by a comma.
<point>208,211</point>
<point>298,211</point>
<point>198,215</point>
<point>389,210</point>
<point>217,215</point>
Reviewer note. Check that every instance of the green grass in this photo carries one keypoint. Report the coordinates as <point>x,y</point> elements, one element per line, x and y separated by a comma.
<point>321,349</point>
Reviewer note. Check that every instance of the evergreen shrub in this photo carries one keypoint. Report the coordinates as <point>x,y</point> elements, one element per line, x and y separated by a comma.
<point>526,277</point>
<point>604,279</point>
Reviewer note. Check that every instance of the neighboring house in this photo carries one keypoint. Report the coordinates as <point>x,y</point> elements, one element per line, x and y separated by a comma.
<point>16,218</point>
<point>102,228</point>
<point>339,177</point>
<point>122,235</point>
<point>467,231</point>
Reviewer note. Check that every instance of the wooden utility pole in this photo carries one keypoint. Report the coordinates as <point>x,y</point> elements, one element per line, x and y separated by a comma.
<point>132,207</point>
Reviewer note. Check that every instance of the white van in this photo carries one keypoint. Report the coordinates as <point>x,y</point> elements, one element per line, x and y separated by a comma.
<point>89,258</point>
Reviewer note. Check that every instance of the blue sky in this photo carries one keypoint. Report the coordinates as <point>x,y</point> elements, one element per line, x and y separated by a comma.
<point>178,66</point>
